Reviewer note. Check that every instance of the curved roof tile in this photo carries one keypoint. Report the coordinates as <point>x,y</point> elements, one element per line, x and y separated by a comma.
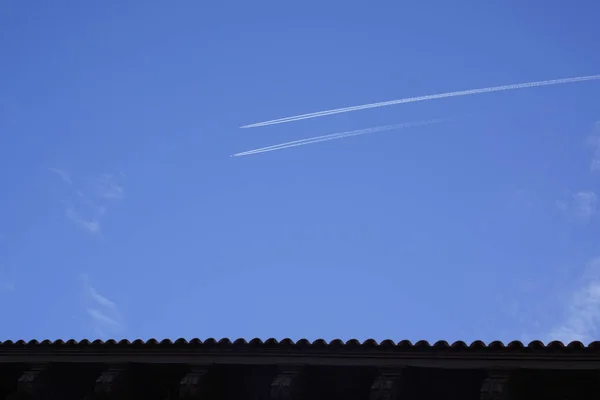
<point>403,345</point>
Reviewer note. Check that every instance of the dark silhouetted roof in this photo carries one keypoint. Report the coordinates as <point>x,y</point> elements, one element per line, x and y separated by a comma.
<point>319,344</point>
<point>387,353</point>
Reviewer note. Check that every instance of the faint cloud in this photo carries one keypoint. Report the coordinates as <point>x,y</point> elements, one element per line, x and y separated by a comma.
<point>99,317</point>
<point>108,187</point>
<point>103,312</point>
<point>583,309</point>
<point>66,178</point>
<point>90,203</point>
<point>101,300</point>
<point>582,205</point>
<point>90,226</point>
<point>585,204</point>
<point>87,212</point>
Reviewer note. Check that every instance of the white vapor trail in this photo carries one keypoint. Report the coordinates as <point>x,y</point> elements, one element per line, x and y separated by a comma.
<point>339,135</point>
<point>319,138</point>
<point>423,98</point>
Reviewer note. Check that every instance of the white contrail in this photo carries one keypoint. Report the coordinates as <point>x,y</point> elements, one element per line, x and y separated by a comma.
<point>423,98</point>
<point>315,139</point>
<point>340,135</point>
<point>312,139</point>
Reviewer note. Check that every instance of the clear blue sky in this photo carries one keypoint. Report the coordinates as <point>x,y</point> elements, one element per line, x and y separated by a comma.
<point>122,214</point>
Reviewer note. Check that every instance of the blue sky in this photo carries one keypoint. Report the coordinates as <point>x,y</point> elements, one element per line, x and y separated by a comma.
<point>122,214</point>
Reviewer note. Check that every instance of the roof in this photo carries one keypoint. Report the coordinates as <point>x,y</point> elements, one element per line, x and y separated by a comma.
<point>336,344</point>
<point>441,354</point>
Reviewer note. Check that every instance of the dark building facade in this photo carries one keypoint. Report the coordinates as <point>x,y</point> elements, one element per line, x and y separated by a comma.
<point>303,370</point>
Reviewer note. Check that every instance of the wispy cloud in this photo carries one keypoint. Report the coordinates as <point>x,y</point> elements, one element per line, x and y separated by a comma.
<point>89,225</point>
<point>585,204</point>
<point>66,178</point>
<point>101,300</point>
<point>103,312</point>
<point>423,98</point>
<point>582,206</point>
<point>583,309</point>
<point>108,187</point>
<point>334,136</point>
<point>102,319</point>
<point>85,211</point>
